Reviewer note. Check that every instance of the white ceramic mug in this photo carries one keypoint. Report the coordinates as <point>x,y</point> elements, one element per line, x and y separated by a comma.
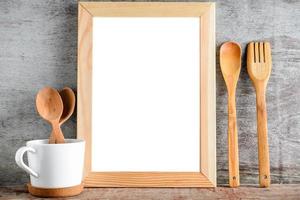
<point>53,165</point>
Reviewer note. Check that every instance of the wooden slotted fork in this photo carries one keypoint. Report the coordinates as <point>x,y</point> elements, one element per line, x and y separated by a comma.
<point>259,64</point>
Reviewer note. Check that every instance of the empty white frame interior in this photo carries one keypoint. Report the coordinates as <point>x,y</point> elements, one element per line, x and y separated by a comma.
<point>146,94</point>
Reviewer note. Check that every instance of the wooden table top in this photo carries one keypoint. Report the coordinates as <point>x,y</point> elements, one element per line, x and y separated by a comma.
<point>286,192</point>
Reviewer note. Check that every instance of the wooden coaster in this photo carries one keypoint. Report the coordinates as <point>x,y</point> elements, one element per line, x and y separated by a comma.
<point>55,192</point>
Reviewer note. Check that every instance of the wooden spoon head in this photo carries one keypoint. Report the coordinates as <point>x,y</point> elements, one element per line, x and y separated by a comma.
<point>68,98</point>
<point>230,61</point>
<point>49,104</point>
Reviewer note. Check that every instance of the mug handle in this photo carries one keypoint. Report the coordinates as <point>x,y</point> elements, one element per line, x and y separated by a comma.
<point>20,162</point>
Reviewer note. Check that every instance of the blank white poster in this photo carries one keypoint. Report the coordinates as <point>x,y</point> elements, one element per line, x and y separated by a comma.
<point>146,94</point>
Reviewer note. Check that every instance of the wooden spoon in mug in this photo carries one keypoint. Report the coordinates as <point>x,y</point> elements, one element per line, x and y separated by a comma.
<point>68,98</point>
<point>230,61</point>
<point>50,107</point>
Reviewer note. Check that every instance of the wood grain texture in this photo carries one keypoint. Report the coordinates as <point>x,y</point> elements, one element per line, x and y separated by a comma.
<point>233,152</point>
<point>275,192</point>
<point>84,82</point>
<point>57,192</point>
<point>38,47</point>
<point>230,63</point>
<point>147,179</point>
<point>50,107</point>
<point>206,12</point>
<point>146,9</point>
<point>259,66</point>
<point>208,97</point>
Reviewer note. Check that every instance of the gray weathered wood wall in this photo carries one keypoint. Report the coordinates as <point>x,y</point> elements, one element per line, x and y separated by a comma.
<point>38,42</point>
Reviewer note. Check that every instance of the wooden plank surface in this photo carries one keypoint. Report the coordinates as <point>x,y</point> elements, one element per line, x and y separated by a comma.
<point>286,192</point>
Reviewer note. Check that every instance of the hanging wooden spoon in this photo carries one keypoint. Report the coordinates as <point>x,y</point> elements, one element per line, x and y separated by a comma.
<point>50,107</point>
<point>230,61</point>
<point>68,98</point>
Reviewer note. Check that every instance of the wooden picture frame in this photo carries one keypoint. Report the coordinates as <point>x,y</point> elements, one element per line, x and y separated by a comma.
<point>206,12</point>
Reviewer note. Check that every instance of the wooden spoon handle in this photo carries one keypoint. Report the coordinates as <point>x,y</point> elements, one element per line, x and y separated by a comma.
<point>262,135</point>
<point>52,138</point>
<point>233,152</point>
<point>57,133</point>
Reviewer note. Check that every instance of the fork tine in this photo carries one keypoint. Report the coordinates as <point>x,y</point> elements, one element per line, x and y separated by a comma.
<point>267,52</point>
<point>261,52</point>
<point>256,53</point>
<point>250,53</point>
